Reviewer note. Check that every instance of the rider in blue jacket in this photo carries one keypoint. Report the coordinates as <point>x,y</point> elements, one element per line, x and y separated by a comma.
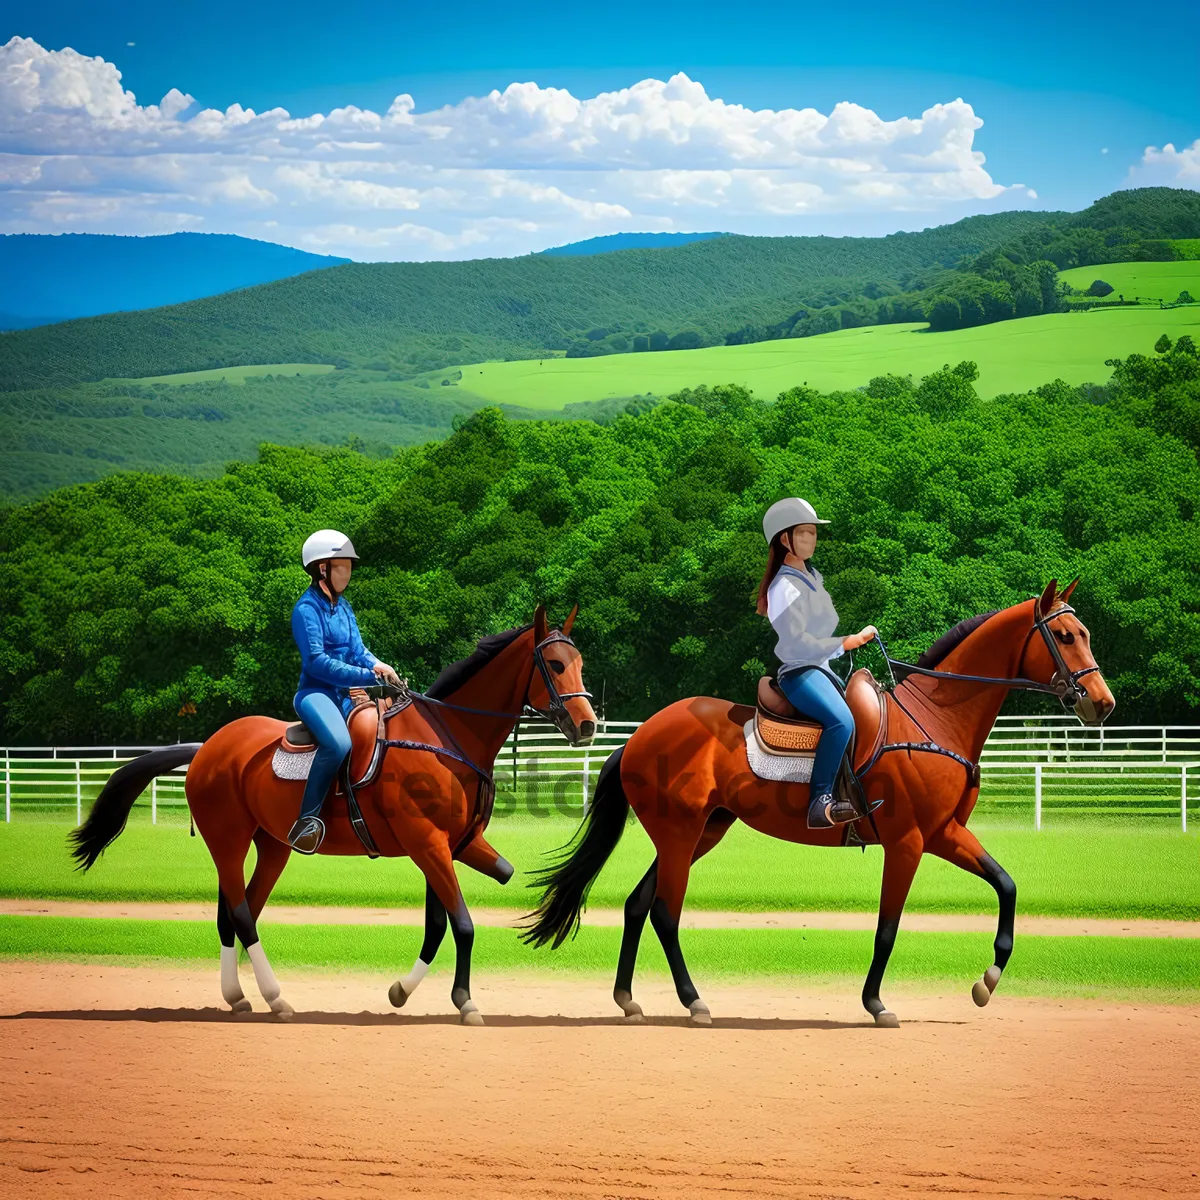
<point>333,659</point>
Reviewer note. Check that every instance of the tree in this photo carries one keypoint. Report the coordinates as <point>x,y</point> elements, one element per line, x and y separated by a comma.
<point>641,343</point>
<point>1163,345</point>
<point>944,313</point>
<point>687,339</point>
<point>659,340</point>
<point>1185,297</point>
<point>1185,345</point>
<point>1100,288</point>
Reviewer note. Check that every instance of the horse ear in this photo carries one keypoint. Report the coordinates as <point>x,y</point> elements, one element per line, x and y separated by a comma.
<point>1066,596</point>
<point>1046,601</point>
<point>539,623</point>
<point>566,628</point>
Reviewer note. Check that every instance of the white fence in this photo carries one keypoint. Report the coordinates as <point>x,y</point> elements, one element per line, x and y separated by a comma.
<point>1131,769</point>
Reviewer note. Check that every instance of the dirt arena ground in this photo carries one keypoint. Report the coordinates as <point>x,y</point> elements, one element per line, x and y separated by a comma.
<point>120,1081</point>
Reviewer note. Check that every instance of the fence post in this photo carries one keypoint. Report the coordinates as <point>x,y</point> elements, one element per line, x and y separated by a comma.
<point>587,765</point>
<point>78,795</point>
<point>1183,797</point>
<point>516,738</point>
<point>154,801</point>
<point>1164,743</point>
<point>1037,796</point>
<point>7,788</point>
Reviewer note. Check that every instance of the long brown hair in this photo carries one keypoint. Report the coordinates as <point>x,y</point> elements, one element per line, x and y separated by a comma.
<point>776,553</point>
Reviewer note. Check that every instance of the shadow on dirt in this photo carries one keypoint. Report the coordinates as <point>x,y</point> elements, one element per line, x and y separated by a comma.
<point>216,1016</point>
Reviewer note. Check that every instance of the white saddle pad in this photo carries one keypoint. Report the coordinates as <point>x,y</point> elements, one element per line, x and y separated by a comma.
<point>780,768</point>
<point>288,765</point>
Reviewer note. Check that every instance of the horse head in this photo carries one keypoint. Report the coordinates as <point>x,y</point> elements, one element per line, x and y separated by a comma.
<point>1062,656</point>
<point>556,689</point>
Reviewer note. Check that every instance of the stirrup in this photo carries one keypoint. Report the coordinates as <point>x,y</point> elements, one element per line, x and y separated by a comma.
<point>840,811</point>
<point>306,836</point>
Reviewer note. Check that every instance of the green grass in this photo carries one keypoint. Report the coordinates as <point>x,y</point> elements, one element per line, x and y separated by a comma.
<point>1147,280</point>
<point>236,375</point>
<point>1148,871</point>
<point>1013,356</point>
<point>1041,965</point>
<point>1188,247</point>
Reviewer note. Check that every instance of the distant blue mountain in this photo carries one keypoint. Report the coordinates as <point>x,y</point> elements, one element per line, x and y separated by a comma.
<point>48,277</point>
<point>631,241</point>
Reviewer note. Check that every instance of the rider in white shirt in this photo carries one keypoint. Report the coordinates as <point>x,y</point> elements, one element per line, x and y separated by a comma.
<point>793,598</point>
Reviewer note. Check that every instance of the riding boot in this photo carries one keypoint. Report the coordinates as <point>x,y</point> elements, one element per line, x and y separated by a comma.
<point>824,812</point>
<point>306,836</point>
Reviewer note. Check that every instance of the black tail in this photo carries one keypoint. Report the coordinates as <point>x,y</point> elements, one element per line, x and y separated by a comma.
<point>111,809</point>
<point>568,881</point>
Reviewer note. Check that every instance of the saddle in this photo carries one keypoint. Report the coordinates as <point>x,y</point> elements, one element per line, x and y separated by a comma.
<point>367,733</point>
<point>780,732</point>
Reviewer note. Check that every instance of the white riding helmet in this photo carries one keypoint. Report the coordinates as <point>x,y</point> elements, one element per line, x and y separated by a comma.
<point>783,514</point>
<point>327,543</point>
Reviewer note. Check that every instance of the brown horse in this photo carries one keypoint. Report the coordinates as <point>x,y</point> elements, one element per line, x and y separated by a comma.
<point>686,774</point>
<point>430,800</point>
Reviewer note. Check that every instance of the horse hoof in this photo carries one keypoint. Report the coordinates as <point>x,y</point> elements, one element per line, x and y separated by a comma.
<point>980,993</point>
<point>282,1009</point>
<point>635,1017</point>
<point>992,977</point>
<point>629,1006</point>
<point>241,1006</point>
<point>470,1015</point>
<point>397,995</point>
<point>699,1013</point>
<point>887,1020</point>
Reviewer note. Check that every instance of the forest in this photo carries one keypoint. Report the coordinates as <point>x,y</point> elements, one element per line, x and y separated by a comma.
<point>132,599</point>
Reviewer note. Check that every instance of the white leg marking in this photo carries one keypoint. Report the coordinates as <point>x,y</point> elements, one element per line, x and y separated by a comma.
<point>700,1014</point>
<point>400,991</point>
<point>231,986</point>
<point>268,985</point>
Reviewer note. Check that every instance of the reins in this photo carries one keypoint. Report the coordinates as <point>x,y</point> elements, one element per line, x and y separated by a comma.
<point>1064,684</point>
<point>486,793</point>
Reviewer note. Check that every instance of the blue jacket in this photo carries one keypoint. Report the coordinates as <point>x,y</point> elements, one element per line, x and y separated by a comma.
<point>332,655</point>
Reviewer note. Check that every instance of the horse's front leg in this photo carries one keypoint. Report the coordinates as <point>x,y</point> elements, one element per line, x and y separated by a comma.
<point>960,846</point>
<point>900,862</point>
<point>435,930</point>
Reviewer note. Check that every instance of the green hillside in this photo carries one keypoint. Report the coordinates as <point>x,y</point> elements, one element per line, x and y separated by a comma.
<point>1144,281</point>
<point>1013,356</point>
<point>410,317</point>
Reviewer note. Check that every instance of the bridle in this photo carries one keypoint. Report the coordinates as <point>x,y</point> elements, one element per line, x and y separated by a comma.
<point>486,792</point>
<point>1064,683</point>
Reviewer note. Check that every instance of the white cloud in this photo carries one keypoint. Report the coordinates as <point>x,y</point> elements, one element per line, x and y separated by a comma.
<point>504,173</point>
<point>1167,167</point>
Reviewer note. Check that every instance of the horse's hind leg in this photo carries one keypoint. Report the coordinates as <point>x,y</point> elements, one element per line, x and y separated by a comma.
<point>674,865</point>
<point>435,930</point>
<point>230,872</point>
<point>273,856</point>
<point>900,862</point>
<point>637,909</point>
<point>231,985</point>
<point>958,845</point>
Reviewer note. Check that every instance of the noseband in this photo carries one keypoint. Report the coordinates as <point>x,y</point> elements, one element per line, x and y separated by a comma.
<point>557,710</point>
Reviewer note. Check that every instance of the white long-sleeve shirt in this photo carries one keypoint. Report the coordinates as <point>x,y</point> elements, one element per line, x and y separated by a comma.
<point>801,612</point>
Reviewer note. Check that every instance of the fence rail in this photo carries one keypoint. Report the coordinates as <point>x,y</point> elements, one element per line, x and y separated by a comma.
<point>1132,769</point>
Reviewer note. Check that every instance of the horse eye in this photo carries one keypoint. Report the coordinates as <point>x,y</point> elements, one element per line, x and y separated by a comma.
<point>1066,638</point>
<point>556,666</point>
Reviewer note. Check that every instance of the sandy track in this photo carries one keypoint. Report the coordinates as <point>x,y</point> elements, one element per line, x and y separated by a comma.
<point>698,919</point>
<point>116,1081</point>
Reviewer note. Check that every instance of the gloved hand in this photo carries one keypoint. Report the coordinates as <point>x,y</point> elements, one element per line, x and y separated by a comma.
<point>852,641</point>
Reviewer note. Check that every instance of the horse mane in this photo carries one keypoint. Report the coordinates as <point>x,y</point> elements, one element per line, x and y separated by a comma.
<point>950,639</point>
<point>457,674</point>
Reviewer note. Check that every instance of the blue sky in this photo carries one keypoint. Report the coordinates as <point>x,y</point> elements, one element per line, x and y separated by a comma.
<point>1070,95</point>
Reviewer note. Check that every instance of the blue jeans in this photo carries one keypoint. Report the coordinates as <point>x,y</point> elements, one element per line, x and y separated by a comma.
<point>328,725</point>
<point>815,695</point>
